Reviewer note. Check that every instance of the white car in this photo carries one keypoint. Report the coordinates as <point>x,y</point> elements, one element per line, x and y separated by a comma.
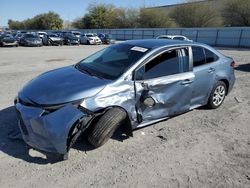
<point>76,33</point>
<point>41,34</point>
<point>90,38</point>
<point>174,37</point>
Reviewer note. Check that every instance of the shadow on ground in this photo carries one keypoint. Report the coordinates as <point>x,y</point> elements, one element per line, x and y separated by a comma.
<point>243,67</point>
<point>12,144</point>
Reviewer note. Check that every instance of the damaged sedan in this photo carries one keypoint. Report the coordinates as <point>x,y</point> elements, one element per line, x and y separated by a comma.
<point>128,85</point>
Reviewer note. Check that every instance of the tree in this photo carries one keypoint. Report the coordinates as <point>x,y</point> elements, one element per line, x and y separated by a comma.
<point>100,16</point>
<point>127,18</point>
<point>196,15</point>
<point>151,18</point>
<point>78,23</point>
<point>237,12</point>
<point>107,16</point>
<point>15,24</point>
<point>48,20</point>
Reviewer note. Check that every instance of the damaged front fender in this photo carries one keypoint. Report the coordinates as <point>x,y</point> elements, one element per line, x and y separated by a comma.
<point>50,132</point>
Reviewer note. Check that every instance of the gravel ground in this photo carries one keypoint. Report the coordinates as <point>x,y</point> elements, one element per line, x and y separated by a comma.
<point>201,148</point>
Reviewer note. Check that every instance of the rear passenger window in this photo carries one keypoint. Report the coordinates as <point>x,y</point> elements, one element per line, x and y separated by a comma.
<point>198,56</point>
<point>165,64</point>
<point>210,56</point>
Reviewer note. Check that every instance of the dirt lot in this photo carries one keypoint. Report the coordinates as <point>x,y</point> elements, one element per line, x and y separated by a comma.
<point>202,148</point>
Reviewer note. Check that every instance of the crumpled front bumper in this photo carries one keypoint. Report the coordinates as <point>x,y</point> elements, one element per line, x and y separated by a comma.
<point>48,132</point>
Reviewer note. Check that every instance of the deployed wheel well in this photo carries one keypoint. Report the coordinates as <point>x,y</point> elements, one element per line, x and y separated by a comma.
<point>227,84</point>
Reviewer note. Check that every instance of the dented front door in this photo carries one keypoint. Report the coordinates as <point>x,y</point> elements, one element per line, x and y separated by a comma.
<point>163,97</point>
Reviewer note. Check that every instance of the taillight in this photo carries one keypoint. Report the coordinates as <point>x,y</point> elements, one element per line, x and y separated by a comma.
<point>233,64</point>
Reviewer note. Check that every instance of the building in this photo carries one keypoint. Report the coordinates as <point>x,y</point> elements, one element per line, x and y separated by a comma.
<point>217,4</point>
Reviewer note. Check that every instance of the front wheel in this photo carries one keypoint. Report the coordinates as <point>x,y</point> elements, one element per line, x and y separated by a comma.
<point>106,126</point>
<point>217,95</point>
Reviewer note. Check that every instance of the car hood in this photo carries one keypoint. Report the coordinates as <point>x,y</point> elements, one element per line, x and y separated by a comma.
<point>60,86</point>
<point>32,39</point>
<point>8,39</point>
<point>55,38</point>
<point>72,38</point>
<point>94,38</point>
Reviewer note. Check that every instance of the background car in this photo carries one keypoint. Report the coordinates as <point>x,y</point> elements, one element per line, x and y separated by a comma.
<point>30,39</point>
<point>52,39</point>
<point>106,38</point>
<point>174,37</point>
<point>8,40</point>
<point>41,34</point>
<point>70,39</point>
<point>76,33</point>
<point>18,36</point>
<point>90,38</point>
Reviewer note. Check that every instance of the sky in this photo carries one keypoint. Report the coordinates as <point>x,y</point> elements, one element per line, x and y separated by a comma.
<point>67,9</point>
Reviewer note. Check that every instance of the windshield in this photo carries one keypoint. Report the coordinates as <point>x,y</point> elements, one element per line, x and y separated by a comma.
<point>89,35</point>
<point>163,37</point>
<point>179,38</point>
<point>30,36</point>
<point>7,36</point>
<point>53,35</point>
<point>112,62</point>
<point>70,35</point>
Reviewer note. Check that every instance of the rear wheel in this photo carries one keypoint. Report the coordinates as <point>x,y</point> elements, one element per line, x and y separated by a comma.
<point>217,95</point>
<point>106,126</point>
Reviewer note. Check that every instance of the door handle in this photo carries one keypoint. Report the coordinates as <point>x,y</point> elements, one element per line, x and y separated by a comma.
<point>211,70</point>
<point>186,81</point>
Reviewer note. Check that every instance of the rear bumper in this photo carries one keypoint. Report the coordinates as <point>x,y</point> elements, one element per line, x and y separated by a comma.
<point>73,42</point>
<point>33,44</point>
<point>9,43</point>
<point>92,42</point>
<point>57,42</point>
<point>48,132</point>
<point>98,42</point>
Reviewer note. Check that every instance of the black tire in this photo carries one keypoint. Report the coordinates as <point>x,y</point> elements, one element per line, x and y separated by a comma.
<point>106,126</point>
<point>211,104</point>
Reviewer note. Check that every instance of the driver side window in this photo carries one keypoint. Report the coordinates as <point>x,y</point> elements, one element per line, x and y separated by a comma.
<point>168,63</point>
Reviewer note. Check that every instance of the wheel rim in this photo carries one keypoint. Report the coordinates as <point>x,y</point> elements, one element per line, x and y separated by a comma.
<point>219,95</point>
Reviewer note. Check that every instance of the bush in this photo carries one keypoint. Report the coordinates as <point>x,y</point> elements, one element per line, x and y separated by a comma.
<point>48,21</point>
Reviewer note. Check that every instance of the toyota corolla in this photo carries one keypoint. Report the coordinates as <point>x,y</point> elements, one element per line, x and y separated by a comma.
<point>129,85</point>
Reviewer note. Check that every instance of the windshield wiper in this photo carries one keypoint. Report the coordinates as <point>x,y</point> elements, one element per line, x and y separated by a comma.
<point>87,71</point>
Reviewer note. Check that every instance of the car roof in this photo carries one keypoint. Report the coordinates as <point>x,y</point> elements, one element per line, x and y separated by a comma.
<point>157,43</point>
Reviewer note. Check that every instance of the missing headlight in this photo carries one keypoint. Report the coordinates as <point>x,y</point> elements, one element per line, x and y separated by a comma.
<point>53,108</point>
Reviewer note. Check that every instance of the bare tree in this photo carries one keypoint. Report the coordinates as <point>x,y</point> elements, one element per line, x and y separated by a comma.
<point>153,18</point>
<point>196,15</point>
<point>236,12</point>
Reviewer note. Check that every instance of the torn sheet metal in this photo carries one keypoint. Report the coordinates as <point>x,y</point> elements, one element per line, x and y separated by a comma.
<point>47,132</point>
<point>169,94</point>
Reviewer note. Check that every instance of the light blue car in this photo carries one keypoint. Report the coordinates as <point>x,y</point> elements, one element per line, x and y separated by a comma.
<point>129,85</point>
